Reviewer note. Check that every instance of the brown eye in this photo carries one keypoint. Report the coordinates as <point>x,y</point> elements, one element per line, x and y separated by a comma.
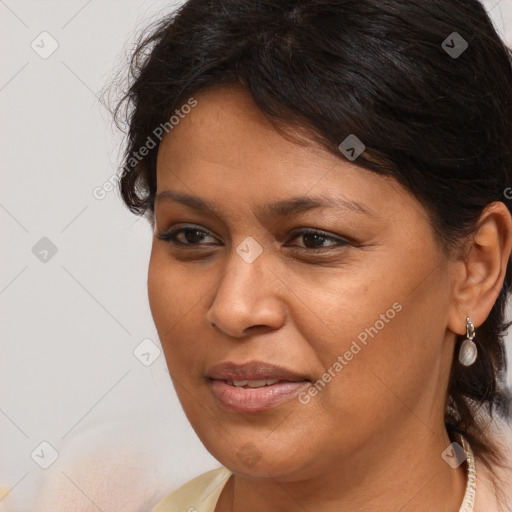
<point>315,239</point>
<point>191,236</point>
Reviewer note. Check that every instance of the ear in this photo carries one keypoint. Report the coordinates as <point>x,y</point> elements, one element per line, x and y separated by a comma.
<point>481,269</point>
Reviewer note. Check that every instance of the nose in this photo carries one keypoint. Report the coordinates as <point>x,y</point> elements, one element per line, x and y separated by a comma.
<point>247,298</point>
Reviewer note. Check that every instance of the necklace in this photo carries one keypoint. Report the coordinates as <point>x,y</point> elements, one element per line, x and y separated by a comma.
<point>468,502</point>
<point>469,497</point>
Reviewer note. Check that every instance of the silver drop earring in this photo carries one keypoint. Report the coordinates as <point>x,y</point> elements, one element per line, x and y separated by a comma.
<point>468,350</point>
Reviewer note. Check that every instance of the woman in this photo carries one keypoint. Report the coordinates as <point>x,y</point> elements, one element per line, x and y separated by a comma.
<point>327,183</point>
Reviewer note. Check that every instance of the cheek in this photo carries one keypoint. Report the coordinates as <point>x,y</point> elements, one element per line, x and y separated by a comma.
<point>389,362</point>
<point>159,293</point>
<point>371,384</point>
<point>171,297</point>
<point>172,292</point>
<point>387,329</point>
<point>176,295</point>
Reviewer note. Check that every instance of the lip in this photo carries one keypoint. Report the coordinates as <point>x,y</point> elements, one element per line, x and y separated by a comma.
<point>252,400</point>
<point>253,370</point>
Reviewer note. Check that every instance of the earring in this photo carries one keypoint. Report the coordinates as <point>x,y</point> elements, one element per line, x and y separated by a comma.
<point>468,350</point>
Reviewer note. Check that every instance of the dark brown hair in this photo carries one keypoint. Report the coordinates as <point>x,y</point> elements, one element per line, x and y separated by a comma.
<point>440,124</point>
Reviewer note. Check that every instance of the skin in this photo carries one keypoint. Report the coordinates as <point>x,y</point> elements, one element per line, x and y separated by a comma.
<point>372,438</point>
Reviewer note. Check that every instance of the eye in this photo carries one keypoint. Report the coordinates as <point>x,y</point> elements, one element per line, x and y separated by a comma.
<point>191,236</point>
<point>314,238</point>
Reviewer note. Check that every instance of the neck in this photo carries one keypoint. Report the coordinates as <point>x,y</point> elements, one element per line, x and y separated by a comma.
<point>395,474</point>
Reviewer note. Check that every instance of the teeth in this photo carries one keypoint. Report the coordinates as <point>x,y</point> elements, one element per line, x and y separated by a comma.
<point>253,383</point>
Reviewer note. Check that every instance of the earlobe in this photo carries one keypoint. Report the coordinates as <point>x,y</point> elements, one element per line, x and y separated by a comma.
<point>482,268</point>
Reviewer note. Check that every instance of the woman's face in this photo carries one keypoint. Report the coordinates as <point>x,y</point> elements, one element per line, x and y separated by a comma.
<point>360,311</point>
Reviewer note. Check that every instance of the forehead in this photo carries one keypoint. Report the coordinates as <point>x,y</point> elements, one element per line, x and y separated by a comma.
<point>226,147</point>
<point>226,128</point>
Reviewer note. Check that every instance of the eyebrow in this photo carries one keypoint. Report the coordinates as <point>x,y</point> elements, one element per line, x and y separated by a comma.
<point>283,208</point>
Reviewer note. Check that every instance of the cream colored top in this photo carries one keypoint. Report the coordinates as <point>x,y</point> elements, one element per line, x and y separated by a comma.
<point>197,495</point>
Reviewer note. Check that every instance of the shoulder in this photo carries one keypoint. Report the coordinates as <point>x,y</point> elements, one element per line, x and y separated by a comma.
<point>198,495</point>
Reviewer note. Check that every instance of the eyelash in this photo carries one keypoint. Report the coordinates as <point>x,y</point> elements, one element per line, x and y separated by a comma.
<point>170,237</point>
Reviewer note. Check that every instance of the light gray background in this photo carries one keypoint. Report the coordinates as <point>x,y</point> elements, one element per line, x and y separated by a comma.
<point>68,374</point>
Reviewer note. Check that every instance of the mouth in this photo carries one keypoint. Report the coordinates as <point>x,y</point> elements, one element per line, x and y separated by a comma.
<point>254,384</point>
<point>255,396</point>
<point>253,374</point>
